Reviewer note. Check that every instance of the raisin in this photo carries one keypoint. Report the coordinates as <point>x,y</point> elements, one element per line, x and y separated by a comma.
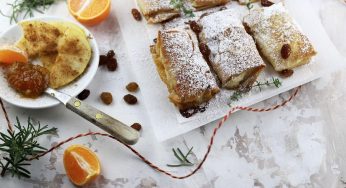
<point>130,99</point>
<point>195,27</point>
<point>155,40</point>
<point>286,73</point>
<point>84,94</point>
<point>223,8</point>
<point>266,3</point>
<point>103,60</point>
<point>110,54</point>
<point>204,50</point>
<point>137,126</point>
<point>286,51</point>
<point>112,64</point>
<point>136,14</point>
<point>132,87</point>
<point>106,98</point>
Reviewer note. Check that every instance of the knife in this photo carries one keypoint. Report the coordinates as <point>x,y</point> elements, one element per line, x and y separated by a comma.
<point>112,126</point>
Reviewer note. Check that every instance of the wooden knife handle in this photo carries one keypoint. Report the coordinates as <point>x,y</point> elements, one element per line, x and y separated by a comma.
<point>112,126</point>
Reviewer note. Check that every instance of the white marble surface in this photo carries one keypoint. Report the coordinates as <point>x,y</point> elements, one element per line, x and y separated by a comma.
<point>301,145</point>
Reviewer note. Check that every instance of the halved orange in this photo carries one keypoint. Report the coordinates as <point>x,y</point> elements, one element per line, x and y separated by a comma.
<point>11,54</point>
<point>90,12</point>
<point>81,164</point>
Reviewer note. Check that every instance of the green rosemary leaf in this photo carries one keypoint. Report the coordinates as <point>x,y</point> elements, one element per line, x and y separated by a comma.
<point>20,145</point>
<point>26,8</point>
<point>237,95</point>
<point>189,152</point>
<point>179,4</point>
<point>177,156</point>
<point>249,5</point>
<point>180,165</point>
<point>182,158</point>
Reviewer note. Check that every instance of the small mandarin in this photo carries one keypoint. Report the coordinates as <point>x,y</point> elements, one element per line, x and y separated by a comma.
<point>11,54</point>
<point>81,164</point>
<point>91,14</point>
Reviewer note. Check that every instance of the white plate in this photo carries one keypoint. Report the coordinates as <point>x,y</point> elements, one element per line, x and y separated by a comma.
<point>11,36</point>
<point>165,118</point>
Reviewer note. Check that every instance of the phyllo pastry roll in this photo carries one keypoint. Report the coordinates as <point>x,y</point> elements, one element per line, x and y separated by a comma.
<point>245,2</point>
<point>279,38</point>
<point>203,4</point>
<point>233,54</point>
<point>182,68</point>
<point>156,11</point>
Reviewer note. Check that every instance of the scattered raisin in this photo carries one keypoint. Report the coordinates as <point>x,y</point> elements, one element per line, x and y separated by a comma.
<point>195,27</point>
<point>136,14</point>
<point>287,73</point>
<point>155,40</point>
<point>204,50</point>
<point>130,99</point>
<point>112,64</point>
<point>84,94</point>
<point>266,3</point>
<point>223,8</point>
<point>132,87</point>
<point>286,51</point>
<point>106,98</point>
<point>187,113</point>
<point>110,54</point>
<point>103,60</point>
<point>137,126</point>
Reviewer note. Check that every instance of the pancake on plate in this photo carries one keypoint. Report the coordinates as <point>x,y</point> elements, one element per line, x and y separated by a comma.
<point>62,47</point>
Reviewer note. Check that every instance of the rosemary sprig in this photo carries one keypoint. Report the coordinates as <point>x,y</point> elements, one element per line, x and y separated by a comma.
<point>181,157</point>
<point>273,82</point>
<point>179,4</point>
<point>237,95</point>
<point>26,8</point>
<point>19,146</point>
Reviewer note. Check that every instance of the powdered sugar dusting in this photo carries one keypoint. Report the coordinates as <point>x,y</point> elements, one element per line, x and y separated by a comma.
<point>272,27</point>
<point>233,51</point>
<point>215,23</point>
<point>192,73</point>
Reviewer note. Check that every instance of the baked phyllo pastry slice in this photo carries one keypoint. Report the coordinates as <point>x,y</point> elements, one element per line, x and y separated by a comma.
<point>279,38</point>
<point>203,4</point>
<point>233,54</point>
<point>245,2</point>
<point>182,68</point>
<point>156,11</point>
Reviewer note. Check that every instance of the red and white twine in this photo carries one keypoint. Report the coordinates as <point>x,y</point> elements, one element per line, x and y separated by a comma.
<point>219,125</point>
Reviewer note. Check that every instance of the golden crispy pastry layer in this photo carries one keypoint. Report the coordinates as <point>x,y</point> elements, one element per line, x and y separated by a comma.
<point>156,11</point>
<point>244,2</point>
<point>272,28</point>
<point>203,4</point>
<point>233,56</point>
<point>182,68</point>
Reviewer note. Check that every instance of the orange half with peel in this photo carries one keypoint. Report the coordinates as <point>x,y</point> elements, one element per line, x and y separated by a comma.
<point>90,12</point>
<point>11,54</point>
<point>81,164</point>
